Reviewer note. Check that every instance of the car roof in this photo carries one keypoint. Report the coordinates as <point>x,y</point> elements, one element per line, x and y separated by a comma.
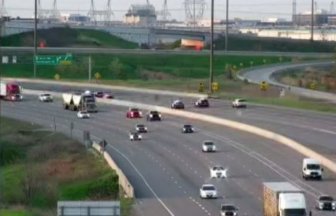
<point>208,141</point>
<point>310,161</point>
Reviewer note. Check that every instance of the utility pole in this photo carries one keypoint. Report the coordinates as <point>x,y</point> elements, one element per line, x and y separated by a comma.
<point>35,39</point>
<point>227,26</point>
<point>211,47</point>
<point>90,69</point>
<point>312,22</point>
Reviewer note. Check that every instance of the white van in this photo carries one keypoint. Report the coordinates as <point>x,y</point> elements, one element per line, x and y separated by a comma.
<point>311,168</point>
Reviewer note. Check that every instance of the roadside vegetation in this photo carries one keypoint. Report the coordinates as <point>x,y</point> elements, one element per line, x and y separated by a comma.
<point>38,168</point>
<point>67,37</point>
<point>316,78</point>
<point>251,43</point>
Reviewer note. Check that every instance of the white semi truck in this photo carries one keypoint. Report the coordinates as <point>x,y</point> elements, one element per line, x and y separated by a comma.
<point>283,199</point>
<point>79,102</point>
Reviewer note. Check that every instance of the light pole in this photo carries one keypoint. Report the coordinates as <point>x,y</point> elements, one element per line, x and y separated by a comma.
<point>211,47</point>
<point>312,22</point>
<point>227,26</point>
<point>35,38</point>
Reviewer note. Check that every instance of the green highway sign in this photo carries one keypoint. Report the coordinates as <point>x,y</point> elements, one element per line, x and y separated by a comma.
<point>53,60</point>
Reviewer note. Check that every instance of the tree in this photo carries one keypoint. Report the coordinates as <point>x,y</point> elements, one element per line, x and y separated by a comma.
<point>116,67</point>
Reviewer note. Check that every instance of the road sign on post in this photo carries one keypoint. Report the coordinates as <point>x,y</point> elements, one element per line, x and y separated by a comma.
<point>53,60</point>
<point>264,86</point>
<point>201,87</point>
<point>215,86</point>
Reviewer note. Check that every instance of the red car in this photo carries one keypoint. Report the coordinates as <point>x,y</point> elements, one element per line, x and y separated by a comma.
<point>133,113</point>
<point>108,96</point>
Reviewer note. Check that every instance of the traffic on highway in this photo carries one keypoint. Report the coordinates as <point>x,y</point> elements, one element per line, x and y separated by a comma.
<point>181,166</point>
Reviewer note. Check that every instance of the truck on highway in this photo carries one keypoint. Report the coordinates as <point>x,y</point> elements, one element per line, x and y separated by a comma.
<point>79,102</point>
<point>10,91</point>
<point>283,199</point>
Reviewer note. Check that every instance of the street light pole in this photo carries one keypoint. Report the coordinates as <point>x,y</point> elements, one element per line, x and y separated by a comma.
<point>211,47</point>
<point>35,38</point>
<point>312,22</point>
<point>227,26</point>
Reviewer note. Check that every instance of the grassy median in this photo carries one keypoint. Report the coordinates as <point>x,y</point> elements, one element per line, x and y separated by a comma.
<point>39,167</point>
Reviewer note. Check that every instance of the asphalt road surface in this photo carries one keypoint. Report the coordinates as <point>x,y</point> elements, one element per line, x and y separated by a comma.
<point>168,166</point>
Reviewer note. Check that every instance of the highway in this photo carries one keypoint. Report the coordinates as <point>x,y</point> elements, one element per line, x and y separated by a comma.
<point>168,166</point>
<point>75,50</point>
<point>258,75</point>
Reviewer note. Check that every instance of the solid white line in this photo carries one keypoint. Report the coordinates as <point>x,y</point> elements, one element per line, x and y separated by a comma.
<point>145,181</point>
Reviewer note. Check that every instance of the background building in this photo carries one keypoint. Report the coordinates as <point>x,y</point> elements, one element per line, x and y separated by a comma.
<point>143,15</point>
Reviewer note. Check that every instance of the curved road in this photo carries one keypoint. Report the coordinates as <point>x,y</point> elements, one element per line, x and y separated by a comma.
<point>258,75</point>
<point>170,166</point>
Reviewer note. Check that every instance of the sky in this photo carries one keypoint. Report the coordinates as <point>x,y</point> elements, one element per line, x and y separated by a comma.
<point>253,9</point>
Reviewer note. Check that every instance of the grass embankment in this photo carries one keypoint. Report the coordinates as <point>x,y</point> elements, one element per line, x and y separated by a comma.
<point>66,37</point>
<point>251,43</point>
<point>138,67</point>
<point>318,78</point>
<point>38,168</point>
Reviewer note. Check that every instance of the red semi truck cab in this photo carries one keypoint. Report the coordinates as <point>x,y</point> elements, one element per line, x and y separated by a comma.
<point>10,91</point>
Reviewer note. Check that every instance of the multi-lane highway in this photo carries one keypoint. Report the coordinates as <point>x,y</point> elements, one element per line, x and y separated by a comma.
<point>167,167</point>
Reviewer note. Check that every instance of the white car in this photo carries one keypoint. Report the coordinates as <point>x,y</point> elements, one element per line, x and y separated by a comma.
<point>45,97</point>
<point>208,191</point>
<point>209,146</point>
<point>326,202</point>
<point>218,172</point>
<point>83,114</point>
<point>239,103</point>
<point>133,136</point>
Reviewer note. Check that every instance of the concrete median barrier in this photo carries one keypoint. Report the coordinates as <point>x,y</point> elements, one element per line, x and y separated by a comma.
<point>298,147</point>
<point>123,180</point>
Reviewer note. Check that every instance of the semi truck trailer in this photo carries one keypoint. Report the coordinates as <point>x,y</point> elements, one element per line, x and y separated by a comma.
<point>10,91</point>
<point>283,199</point>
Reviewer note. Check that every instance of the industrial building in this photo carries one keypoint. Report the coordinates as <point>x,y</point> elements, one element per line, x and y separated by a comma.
<point>321,17</point>
<point>142,15</point>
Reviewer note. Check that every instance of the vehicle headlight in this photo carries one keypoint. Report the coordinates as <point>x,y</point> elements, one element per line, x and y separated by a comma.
<point>160,115</point>
<point>333,204</point>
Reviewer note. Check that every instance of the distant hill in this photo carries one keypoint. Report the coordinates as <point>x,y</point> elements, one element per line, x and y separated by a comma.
<point>242,42</point>
<point>67,37</point>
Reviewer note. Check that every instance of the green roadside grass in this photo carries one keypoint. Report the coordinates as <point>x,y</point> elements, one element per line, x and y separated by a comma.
<point>53,166</point>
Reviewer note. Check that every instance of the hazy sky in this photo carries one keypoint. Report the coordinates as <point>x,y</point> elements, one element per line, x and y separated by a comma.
<point>253,9</point>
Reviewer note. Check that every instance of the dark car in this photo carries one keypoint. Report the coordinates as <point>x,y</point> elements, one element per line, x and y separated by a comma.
<point>99,94</point>
<point>326,202</point>
<point>140,128</point>
<point>177,105</point>
<point>187,129</point>
<point>154,116</point>
<point>202,102</point>
<point>228,210</point>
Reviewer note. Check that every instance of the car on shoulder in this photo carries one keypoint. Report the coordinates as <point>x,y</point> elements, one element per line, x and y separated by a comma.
<point>326,202</point>
<point>228,210</point>
<point>135,136</point>
<point>140,128</point>
<point>83,115</point>
<point>202,103</point>
<point>239,103</point>
<point>208,191</point>
<point>133,113</point>
<point>187,128</point>
<point>177,104</point>
<point>154,116</point>
<point>209,146</point>
<point>99,94</point>
<point>218,172</point>
<point>45,97</point>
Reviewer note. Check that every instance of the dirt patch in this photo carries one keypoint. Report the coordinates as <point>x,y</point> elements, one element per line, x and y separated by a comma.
<point>152,75</point>
<point>60,169</point>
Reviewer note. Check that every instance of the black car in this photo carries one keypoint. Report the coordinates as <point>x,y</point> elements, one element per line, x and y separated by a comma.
<point>153,116</point>
<point>202,102</point>
<point>228,210</point>
<point>326,202</point>
<point>140,128</point>
<point>187,129</point>
<point>177,105</point>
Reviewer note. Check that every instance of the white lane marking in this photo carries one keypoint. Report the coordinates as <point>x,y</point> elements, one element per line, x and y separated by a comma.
<point>144,180</point>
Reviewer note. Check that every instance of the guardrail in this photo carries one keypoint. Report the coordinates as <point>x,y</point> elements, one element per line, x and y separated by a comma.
<point>123,180</point>
<point>298,147</point>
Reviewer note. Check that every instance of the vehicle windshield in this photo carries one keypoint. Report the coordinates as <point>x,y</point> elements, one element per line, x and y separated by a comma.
<point>326,198</point>
<point>218,168</point>
<point>313,166</point>
<point>208,143</point>
<point>134,110</point>
<point>187,126</point>
<point>140,126</point>
<point>209,188</point>
<point>295,212</point>
<point>241,100</point>
<point>47,95</point>
<point>154,112</point>
<point>228,207</point>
